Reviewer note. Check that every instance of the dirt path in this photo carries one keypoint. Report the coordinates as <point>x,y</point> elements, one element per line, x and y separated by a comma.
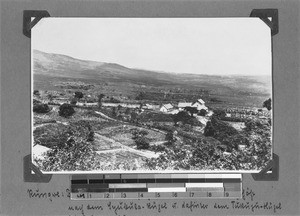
<point>147,154</point>
<point>105,116</point>
<point>43,124</point>
<point>109,151</point>
<point>158,143</point>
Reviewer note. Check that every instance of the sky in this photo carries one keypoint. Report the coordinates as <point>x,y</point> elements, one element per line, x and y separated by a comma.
<point>213,46</point>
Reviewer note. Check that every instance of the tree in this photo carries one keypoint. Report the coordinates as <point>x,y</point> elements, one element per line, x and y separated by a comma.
<point>181,116</point>
<point>78,95</point>
<point>142,143</point>
<point>50,97</point>
<point>100,97</point>
<point>73,101</point>
<point>170,138</point>
<point>35,102</point>
<point>209,130</point>
<point>134,116</point>
<point>219,113</point>
<point>114,100</point>
<point>202,112</point>
<point>114,112</point>
<point>41,108</point>
<point>140,96</point>
<point>191,110</point>
<point>267,104</point>
<point>66,110</point>
<point>127,111</point>
<point>36,92</point>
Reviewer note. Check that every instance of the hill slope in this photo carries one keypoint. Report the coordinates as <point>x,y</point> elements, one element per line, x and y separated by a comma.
<point>57,65</point>
<point>64,66</point>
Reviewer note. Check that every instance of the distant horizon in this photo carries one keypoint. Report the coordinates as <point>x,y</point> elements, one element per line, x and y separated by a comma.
<point>239,46</point>
<point>145,69</point>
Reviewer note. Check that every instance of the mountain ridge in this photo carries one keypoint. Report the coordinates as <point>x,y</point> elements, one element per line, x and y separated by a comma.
<point>60,65</point>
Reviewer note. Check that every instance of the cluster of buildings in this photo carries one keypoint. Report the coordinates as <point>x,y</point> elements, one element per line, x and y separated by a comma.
<point>174,109</point>
<point>247,113</point>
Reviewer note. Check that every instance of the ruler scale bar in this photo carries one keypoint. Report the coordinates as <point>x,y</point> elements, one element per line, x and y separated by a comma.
<point>145,186</point>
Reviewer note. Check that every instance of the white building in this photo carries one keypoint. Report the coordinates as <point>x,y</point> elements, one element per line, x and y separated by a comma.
<point>166,108</point>
<point>182,105</point>
<point>200,104</point>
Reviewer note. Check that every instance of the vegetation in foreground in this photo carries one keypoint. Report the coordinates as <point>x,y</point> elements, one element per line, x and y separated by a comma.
<point>73,145</point>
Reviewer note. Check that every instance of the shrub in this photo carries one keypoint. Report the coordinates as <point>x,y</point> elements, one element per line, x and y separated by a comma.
<point>36,92</point>
<point>202,112</point>
<point>66,110</point>
<point>77,154</point>
<point>142,143</point>
<point>191,110</point>
<point>139,133</point>
<point>183,117</point>
<point>73,101</point>
<point>219,113</point>
<point>268,104</point>
<point>35,102</point>
<point>170,138</point>
<point>41,108</point>
<point>209,130</point>
<point>78,94</point>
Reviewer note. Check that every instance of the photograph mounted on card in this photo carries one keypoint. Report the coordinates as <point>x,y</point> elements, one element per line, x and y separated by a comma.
<point>151,95</point>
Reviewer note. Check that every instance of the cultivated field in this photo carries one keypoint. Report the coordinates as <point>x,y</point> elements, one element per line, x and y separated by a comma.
<point>107,117</point>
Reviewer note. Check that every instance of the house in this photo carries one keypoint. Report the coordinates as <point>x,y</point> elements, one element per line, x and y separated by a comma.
<point>148,106</point>
<point>166,107</point>
<point>200,104</point>
<point>182,105</point>
<point>228,115</point>
<point>174,111</point>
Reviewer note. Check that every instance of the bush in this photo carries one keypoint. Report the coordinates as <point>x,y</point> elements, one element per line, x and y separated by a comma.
<point>183,117</point>
<point>202,112</point>
<point>35,102</point>
<point>142,143</point>
<point>209,130</point>
<point>268,104</point>
<point>113,100</point>
<point>78,94</point>
<point>170,138</point>
<point>66,110</point>
<point>71,147</point>
<point>219,113</point>
<point>73,101</point>
<point>41,108</point>
<point>36,92</point>
<point>57,135</point>
<point>139,133</point>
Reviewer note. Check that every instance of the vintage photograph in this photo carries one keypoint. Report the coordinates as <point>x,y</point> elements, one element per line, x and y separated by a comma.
<point>151,94</point>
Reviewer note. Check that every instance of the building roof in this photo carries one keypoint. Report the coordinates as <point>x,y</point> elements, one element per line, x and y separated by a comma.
<point>168,106</point>
<point>184,104</point>
<point>201,101</point>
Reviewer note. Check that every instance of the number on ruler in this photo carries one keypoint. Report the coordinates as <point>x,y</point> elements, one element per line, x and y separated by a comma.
<point>107,195</point>
<point>192,194</point>
<point>141,195</point>
<point>157,194</point>
<point>174,194</point>
<point>226,194</point>
<point>209,194</point>
<point>123,195</point>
